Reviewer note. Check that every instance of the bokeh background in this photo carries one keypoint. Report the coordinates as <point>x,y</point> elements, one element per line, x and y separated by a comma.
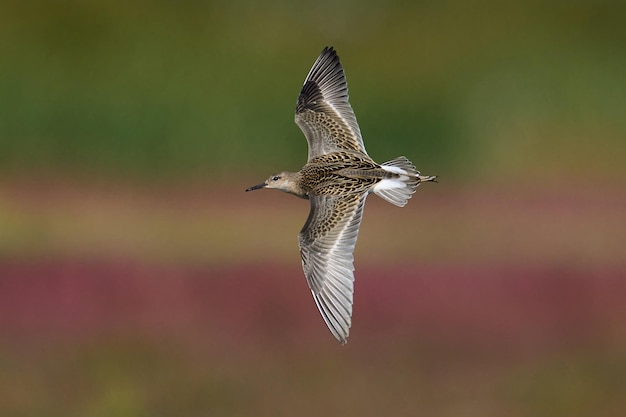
<point>138,279</point>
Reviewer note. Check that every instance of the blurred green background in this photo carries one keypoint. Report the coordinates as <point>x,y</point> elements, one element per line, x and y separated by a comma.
<point>157,90</point>
<point>137,279</point>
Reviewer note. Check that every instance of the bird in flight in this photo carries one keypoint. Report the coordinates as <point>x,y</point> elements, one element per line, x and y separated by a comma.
<point>337,178</point>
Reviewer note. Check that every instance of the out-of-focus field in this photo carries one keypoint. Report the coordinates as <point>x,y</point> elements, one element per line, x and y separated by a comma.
<point>138,279</point>
<point>521,90</point>
<point>480,301</point>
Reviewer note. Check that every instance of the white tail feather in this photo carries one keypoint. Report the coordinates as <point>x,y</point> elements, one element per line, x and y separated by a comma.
<point>398,188</point>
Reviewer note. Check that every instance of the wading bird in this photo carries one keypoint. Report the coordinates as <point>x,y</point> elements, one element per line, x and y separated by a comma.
<point>337,178</point>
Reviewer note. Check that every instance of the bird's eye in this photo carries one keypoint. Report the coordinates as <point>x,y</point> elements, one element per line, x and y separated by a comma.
<point>275,178</point>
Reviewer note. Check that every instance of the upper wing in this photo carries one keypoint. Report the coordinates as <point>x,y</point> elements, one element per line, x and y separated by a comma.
<point>323,111</point>
<point>327,243</point>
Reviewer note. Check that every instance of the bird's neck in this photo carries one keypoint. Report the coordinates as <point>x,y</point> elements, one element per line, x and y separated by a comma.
<point>294,186</point>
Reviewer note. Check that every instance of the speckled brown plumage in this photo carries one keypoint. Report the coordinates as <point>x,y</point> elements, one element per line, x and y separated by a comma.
<point>337,178</point>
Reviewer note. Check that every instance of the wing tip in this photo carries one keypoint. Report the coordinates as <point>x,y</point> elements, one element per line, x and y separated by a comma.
<point>328,51</point>
<point>326,65</point>
<point>333,320</point>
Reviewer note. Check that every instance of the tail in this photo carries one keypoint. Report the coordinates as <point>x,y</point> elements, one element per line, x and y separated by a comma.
<point>401,183</point>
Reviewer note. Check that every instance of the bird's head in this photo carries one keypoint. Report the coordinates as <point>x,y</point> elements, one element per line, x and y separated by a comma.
<point>283,181</point>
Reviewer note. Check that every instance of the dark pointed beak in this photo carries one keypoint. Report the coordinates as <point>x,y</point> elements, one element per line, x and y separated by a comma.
<point>256,187</point>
